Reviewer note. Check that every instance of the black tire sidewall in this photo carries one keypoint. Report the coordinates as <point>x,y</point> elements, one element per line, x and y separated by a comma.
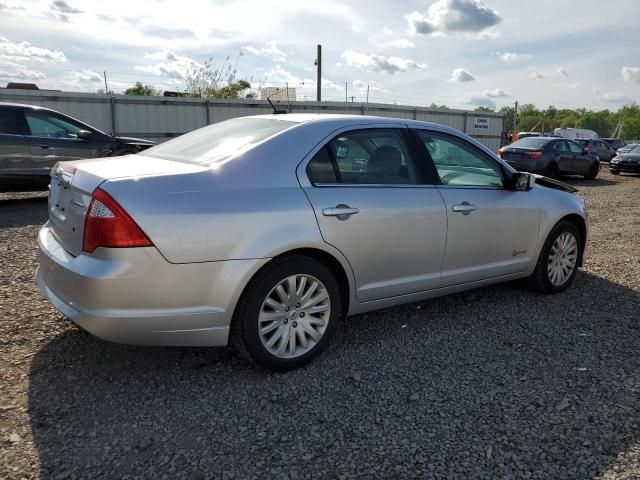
<point>551,171</point>
<point>259,288</point>
<point>558,230</point>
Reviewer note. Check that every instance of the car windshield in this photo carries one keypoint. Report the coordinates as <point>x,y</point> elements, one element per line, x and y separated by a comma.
<point>219,142</point>
<point>530,142</point>
<point>635,149</point>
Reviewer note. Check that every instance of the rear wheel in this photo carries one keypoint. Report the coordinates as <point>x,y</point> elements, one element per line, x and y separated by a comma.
<point>594,169</point>
<point>557,265</point>
<point>287,314</point>
<point>551,171</point>
<point>614,172</point>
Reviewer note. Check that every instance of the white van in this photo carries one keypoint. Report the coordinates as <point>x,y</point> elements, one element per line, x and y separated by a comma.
<point>576,133</point>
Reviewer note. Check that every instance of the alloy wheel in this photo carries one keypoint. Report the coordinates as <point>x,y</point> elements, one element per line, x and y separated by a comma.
<point>563,259</point>
<point>294,316</point>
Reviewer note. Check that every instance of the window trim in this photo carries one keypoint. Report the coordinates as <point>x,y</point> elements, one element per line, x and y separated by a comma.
<point>404,132</point>
<point>434,170</point>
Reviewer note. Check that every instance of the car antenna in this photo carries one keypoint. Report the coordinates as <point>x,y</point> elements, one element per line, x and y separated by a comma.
<point>275,110</point>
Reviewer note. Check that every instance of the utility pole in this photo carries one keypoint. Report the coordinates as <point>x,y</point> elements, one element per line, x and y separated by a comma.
<point>346,98</point>
<point>515,118</point>
<point>106,87</point>
<point>319,74</point>
<point>288,102</point>
<point>352,97</point>
<point>367,99</point>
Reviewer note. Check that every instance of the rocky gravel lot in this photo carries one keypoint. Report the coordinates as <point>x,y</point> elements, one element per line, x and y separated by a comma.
<point>495,383</point>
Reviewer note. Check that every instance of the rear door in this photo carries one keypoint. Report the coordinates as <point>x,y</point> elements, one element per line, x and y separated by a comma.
<point>492,231</point>
<point>564,156</point>
<point>372,203</point>
<point>15,161</point>
<point>53,138</point>
<point>580,161</point>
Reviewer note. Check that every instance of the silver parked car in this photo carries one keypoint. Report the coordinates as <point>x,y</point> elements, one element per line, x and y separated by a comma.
<point>264,230</point>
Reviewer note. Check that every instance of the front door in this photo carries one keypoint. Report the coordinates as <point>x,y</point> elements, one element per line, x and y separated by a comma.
<point>492,231</point>
<point>372,204</point>
<point>15,161</point>
<point>53,138</point>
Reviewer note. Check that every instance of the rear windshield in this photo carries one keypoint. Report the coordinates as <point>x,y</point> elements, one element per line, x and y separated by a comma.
<point>218,142</point>
<point>530,142</point>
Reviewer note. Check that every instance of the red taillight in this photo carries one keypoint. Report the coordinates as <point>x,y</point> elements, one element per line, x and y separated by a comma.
<point>534,154</point>
<point>108,225</point>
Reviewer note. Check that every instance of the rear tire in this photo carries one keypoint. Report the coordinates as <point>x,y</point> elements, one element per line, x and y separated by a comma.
<point>551,171</point>
<point>287,314</point>
<point>593,171</point>
<point>557,265</point>
<point>614,172</point>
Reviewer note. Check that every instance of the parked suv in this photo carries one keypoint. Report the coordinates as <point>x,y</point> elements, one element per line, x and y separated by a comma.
<point>598,147</point>
<point>33,139</point>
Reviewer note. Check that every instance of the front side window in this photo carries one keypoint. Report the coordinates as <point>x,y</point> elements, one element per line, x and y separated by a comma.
<point>43,124</point>
<point>459,163</point>
<point>365,157</point>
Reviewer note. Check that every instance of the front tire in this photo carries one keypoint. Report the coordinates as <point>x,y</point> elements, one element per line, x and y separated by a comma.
<point>557,265</point>
<point>288,314</point>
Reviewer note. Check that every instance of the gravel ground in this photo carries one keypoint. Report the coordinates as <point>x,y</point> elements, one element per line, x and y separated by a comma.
<point>494,383</point>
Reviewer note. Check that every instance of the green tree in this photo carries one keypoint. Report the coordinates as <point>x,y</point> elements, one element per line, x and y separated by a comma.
<point>483,109</point>
<point>144,90</point>
<point>207,81</point>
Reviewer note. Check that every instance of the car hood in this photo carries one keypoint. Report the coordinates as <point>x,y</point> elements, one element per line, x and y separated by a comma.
<point>630,156</point>
<point>135,141</point>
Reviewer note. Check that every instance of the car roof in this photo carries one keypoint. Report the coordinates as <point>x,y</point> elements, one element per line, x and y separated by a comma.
<point>22,105</point>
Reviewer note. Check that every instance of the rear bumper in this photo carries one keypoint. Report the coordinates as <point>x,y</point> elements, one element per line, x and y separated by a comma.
<point>134,296</point>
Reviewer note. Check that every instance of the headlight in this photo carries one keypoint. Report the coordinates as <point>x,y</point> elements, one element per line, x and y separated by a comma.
<point>615,160</point>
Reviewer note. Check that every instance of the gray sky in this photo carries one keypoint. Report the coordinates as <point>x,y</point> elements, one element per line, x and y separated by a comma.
<point>462,53</point>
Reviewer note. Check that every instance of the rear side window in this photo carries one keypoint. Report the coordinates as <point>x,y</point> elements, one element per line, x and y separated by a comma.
<point>218,142</point>
<point>561,147</point>
<point>575,148</point>
<point>366,157</point>
<point>11,122</point>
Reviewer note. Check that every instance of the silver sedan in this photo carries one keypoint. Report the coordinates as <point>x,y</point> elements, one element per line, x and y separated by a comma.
<point>263,231</point>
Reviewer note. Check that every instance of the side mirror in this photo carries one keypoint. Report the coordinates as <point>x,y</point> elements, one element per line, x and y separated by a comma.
<point>585,150</point>
<point>522,182</point>
<point>85,135</point>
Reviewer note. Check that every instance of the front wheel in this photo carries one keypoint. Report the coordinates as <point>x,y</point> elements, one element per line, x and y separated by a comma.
<point>557,265</point>
<point>288,314</point>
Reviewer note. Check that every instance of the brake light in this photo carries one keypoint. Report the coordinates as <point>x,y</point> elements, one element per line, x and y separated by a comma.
<point>533,155</point>
<point>107,224</point>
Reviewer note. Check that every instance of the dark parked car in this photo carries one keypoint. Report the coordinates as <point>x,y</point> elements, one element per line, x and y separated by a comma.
<point>33,139</point>
<point>614,143</point>
<point>551,156</point>
<point>626,162</point>
<point>598,147</point>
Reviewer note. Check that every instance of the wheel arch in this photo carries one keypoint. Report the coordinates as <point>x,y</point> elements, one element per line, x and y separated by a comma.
<point>581,225</point>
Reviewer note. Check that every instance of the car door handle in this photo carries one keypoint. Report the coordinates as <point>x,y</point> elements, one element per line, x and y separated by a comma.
<point>465,208</point>
<point>45,146</point>
<point>339,210</point>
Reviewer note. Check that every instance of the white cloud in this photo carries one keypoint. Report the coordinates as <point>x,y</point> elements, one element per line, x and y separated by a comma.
<point>88,76</point>
<point>24,51</point>
<point>168,64</point>
<point>496,93</point>
<point>271,50</point>
<point>462,75</point>
<point>616,98</point>
<point>398,43</point>
<point>562,71</point>
<point>361,86</point>
<point>23,74</point>
<point>535,73</point>
<point>479,101</point>
<point>631,74</point>
<point>454,17</point>
<point>379,63</point>
<point>572,85</point>
<point>512,56</point>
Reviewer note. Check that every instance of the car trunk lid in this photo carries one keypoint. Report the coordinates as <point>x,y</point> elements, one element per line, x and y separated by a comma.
<point>73,183</point>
